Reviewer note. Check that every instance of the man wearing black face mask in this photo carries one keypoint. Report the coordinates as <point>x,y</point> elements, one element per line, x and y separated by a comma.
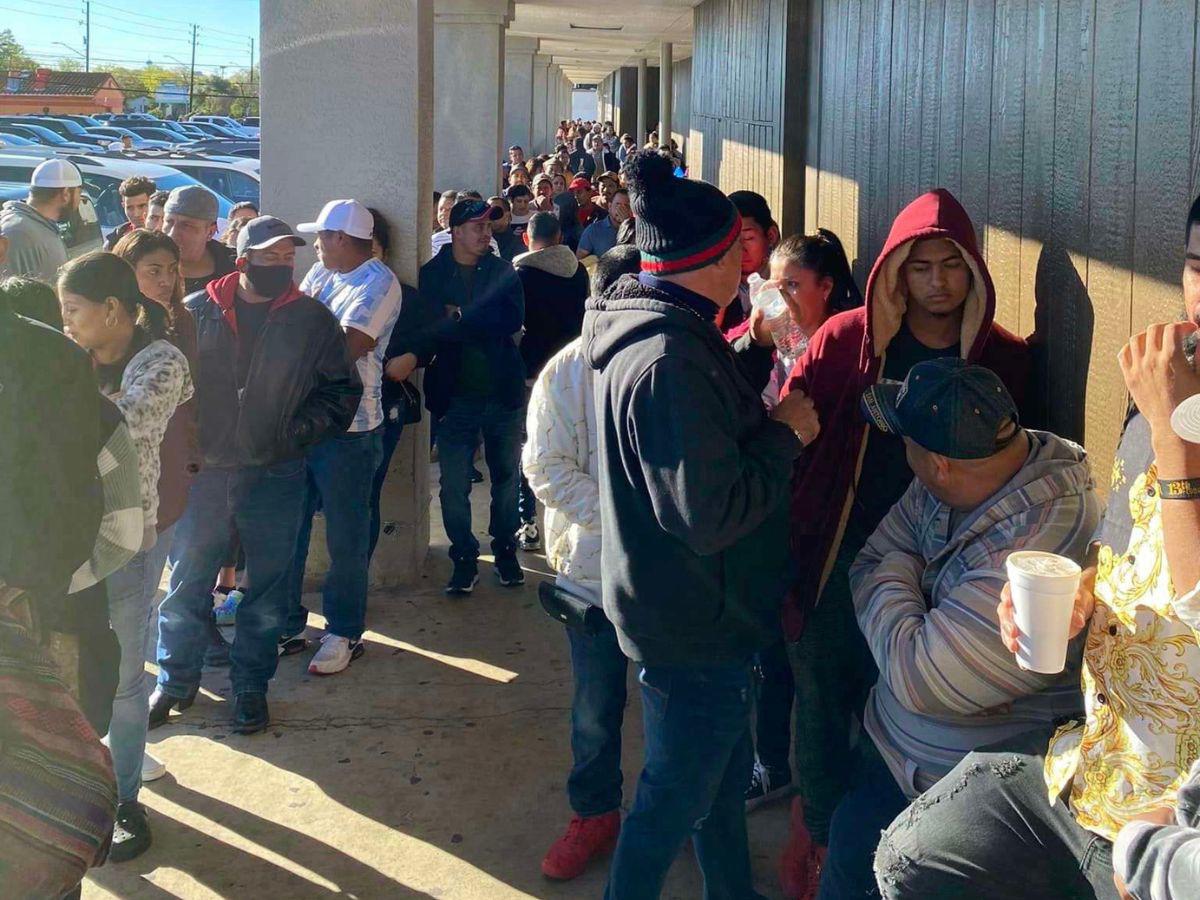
<point>291,384</point>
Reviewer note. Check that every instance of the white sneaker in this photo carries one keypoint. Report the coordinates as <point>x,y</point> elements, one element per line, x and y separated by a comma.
<point>152,768</point>
<point>334,655</point>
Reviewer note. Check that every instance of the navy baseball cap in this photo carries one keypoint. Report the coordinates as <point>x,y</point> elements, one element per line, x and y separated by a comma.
<point>469,210</point>
<point>947,406</point>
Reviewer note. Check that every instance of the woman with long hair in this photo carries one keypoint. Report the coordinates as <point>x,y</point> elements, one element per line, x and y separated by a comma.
<point>813,274</point>
<point>138,368</point>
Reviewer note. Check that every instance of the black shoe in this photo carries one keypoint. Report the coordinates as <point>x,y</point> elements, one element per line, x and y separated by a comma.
<point>476,476</point>
<point>509,571</point>
<point>767,784</point>
<point>250,714</point>
<point>464,578</point>
<point>289,646</point>
<point>216,654</point>
<point>162,703</point>
<point>131,833</point>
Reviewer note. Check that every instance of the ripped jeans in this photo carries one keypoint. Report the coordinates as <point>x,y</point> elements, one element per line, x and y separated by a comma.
<point>987,831</point>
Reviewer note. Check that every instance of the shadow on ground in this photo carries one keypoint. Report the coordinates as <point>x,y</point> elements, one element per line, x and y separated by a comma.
<point>433,767</point>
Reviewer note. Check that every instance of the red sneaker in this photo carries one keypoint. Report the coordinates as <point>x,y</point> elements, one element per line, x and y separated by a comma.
<point>801,861</point>
<point>585,839</point>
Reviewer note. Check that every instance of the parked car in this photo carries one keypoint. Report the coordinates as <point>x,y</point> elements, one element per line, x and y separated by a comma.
<point>66,128</point>
<point>85,121</point>
<point>228,176</point>
<point>81,232</point>
<point>67,131</point>
<point>213,130</point>
<point>11,143</point>
<point>103,117</point>
<point>115,133</point>
<point>223,147</point>
<point>43,136</point>
<point>158,134</point>
<point>103,176</point>
<point>250,125</point>
<point>227,122</point>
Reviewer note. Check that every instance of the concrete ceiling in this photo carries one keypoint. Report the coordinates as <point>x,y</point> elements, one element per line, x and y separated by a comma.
<point>585,53</point>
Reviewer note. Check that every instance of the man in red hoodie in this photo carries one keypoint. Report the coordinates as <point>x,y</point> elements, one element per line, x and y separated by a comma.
<point>929,295</point>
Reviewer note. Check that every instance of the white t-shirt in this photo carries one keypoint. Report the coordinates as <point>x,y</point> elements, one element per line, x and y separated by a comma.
<point>366,299</point>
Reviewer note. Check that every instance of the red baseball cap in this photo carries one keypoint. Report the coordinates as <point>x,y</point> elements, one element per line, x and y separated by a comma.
<point>581,183</point>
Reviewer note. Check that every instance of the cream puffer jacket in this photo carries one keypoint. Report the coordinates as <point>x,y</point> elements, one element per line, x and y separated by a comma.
<point>560,464</point>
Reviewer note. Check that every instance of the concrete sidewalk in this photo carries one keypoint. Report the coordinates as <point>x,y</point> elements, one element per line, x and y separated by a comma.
<point>434,766</point>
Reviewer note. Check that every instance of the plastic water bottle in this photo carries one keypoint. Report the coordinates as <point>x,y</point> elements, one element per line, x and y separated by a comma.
<point>790,341</point>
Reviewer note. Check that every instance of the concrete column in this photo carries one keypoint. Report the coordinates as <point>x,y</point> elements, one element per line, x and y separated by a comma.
<point>640,137</point>
<point>552,87</point>
<point>518,91</point>
<point>541,86</point>
<point>388,164</point>
<point>665,87</point>
<point>468,124</point>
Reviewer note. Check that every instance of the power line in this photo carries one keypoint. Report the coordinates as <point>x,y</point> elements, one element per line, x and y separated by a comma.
<point>138,14</point>
<point>39,15</point>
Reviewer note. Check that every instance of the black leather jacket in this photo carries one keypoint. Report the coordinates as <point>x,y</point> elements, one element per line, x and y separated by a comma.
<point>302,386</point>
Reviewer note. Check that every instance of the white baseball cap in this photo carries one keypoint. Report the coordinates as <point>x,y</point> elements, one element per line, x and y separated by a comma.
<point>348,216</point>
<point>55,173</point>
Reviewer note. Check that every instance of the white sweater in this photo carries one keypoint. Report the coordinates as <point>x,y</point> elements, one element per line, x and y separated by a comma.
<point>560,464</point>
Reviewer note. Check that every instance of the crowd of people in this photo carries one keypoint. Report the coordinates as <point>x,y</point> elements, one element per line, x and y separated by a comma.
<point>802,554</point>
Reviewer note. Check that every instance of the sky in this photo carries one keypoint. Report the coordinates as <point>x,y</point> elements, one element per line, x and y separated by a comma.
<point>130,32</point>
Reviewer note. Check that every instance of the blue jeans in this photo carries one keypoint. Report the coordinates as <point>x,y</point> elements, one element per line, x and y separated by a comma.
<point>458,436</point>
<point>863,812</point>
<point>391,437</point>
<point>698,760</point>
<point>131,591</point>
<point>265,503</point>
<point>341,471</point>
<point>597,710</point>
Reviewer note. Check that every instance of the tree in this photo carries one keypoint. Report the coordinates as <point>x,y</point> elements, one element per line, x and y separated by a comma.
<point>12,54</point>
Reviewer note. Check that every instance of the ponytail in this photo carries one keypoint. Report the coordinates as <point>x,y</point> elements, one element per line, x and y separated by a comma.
<point>823,254</point>
<point>153,318</point>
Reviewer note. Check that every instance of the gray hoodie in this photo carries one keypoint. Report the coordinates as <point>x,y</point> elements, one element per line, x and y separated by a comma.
<point>35,246</point>
<point>925,589</point>
<point>1162,862</point>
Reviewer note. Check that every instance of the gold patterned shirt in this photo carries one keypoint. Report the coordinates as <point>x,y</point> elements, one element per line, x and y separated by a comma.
<point>1141,666</point>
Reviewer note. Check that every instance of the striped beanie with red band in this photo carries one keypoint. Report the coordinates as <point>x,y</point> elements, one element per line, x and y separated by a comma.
<point>680,224</point>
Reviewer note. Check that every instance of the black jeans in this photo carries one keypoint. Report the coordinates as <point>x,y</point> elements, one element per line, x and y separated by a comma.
<point>987,831</point>
<point>773,709</point>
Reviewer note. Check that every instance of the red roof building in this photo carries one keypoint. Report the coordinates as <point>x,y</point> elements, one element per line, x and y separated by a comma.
<point>44,90</point>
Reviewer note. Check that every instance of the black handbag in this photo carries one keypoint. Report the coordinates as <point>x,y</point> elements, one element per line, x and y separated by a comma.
<point>572,611</point>
<point>410,403</point>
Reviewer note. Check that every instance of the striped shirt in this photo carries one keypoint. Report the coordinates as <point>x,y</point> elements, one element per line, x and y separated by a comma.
<point>925,589</point>
<point>366,299</point>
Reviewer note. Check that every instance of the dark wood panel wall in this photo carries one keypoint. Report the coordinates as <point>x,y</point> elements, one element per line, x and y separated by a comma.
<point>681,102</point>
<point>741,124</point>
<point>1068,128</point>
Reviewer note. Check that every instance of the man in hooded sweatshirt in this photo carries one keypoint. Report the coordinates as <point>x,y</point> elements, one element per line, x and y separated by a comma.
<point>693,474</point>
<point>556,287</point>
<point>35,246</point>
<point>929,296</point>
<point>926,588</point>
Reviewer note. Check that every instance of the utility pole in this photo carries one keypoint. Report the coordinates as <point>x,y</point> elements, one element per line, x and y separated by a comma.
<point>87,35</point>
<point>253,93</point>
<point>192,80</point>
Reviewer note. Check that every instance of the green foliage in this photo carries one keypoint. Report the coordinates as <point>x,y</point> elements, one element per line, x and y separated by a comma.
<point>12,54</point>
